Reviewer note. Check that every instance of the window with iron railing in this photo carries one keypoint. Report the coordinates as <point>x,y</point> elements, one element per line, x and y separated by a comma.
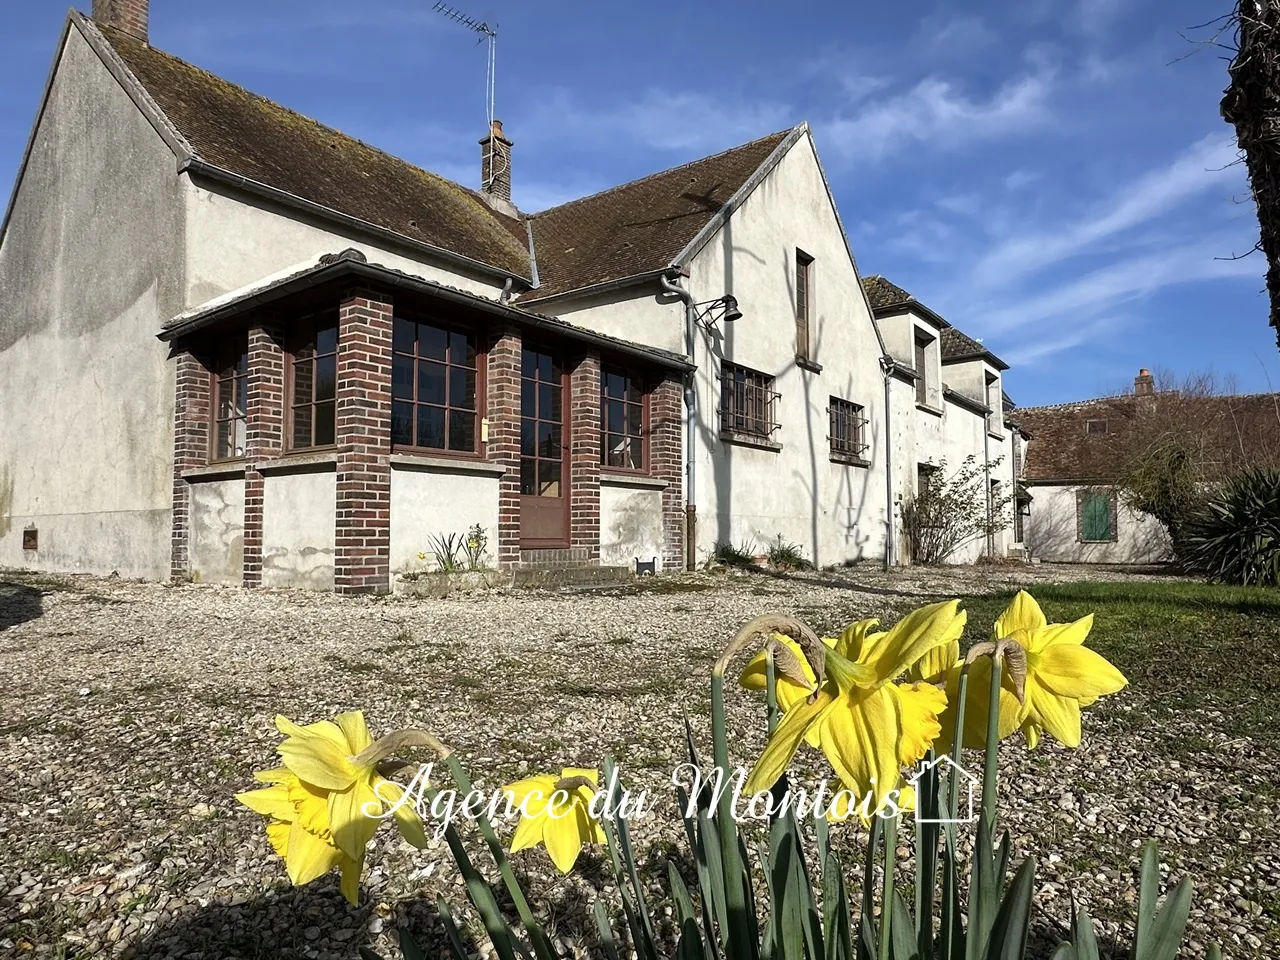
<point>848,428</point>
<point>747,402</point>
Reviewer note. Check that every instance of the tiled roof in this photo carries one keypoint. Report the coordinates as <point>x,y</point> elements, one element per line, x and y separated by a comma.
<point>1062,450</point>
<point>882,293</point>
<point>253,137</point>
<point>956,344</point>
<point>640,226</point>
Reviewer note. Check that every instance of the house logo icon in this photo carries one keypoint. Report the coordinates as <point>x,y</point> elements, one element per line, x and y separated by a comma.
<point>964,812</point>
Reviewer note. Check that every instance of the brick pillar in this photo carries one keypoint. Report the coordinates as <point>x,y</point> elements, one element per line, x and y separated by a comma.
<point>584,456</point>
<point>502,373</point>
<point>666,454</point>
<point>264,435</point>
<point>192,396</point>
<point>362,541</point>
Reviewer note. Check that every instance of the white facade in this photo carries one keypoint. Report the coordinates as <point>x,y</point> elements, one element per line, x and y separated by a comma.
<point>1054,530</point>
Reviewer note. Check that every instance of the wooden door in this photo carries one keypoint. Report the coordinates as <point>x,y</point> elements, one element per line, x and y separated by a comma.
<point>544,448</point>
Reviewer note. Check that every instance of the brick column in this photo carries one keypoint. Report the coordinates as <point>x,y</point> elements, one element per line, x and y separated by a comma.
<point>362,540</point>
<point>666,454</point>
<point>584,456</point>
<point>264,435</point>
<point>502,409</point>
<point>192,396</point>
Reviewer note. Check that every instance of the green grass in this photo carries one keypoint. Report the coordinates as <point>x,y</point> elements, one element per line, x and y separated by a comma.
<point>1182,645</point>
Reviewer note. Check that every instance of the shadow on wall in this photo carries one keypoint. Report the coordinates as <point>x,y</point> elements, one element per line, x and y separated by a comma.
<point>1052,535</point>
<point>18,603</point>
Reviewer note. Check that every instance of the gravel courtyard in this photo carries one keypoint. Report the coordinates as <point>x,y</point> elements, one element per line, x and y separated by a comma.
<point>131,713</point>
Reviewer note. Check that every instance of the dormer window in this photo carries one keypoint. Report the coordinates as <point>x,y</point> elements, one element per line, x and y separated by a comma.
<point>924,372</point>
<point>1095,428</point>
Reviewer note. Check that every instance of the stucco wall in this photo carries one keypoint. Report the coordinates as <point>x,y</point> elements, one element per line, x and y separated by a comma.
<point>630,523</point>
<point>1052,532</point>
<point>298,518</point>
<point>430,503</point>
<point>89,267</point>
<point>834,511</point>
<point>217,531</point>
<point>641,314</point>
<point>235,240</point>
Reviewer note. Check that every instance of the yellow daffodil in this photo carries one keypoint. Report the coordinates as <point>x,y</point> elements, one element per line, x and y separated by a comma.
<point>1062,674</point>
<point>563,826</point>
<point>790,666</point>
<point>868,725</point>
<point>324,805</point>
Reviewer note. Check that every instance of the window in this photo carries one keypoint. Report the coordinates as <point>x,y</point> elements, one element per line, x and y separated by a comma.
<point>314,376</point>
<point>804,300</point>
<point>995,405</point>
<point>848,429</point>
<point>622,421</point>
<point>230,382</point>
<point>927,474</point>
<point>1095,428</point>
<point>1096,516</point>
<point>434,386</point>
<point>746,402</point>
<point>923,343</point>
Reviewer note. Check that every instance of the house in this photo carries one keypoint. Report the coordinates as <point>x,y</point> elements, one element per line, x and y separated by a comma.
<point>239,346</point>
<point>1079,452</point>
<point>947,403</point>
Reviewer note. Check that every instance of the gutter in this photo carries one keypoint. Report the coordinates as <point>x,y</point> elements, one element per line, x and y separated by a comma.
<point>888,367</point>
<point>691,422</point>
<point>194,166</point>
<point>602,287</point>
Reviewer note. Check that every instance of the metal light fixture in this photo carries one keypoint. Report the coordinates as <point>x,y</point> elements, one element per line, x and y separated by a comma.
<point>722,308</point>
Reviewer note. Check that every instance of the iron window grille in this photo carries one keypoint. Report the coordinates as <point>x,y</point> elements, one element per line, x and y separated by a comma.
<point>848,428</point>
<point>747,402</point>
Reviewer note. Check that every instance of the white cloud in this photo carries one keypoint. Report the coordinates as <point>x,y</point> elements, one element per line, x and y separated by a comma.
<point>936,113</point>
<point>956,36</point>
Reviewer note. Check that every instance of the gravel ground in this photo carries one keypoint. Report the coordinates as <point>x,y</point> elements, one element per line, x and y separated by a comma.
<point>133,712</point>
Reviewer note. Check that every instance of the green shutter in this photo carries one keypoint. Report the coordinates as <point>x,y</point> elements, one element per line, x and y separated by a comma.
<point>1097,517</point>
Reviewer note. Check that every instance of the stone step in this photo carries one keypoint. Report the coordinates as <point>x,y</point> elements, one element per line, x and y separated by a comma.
<point>569,576</point>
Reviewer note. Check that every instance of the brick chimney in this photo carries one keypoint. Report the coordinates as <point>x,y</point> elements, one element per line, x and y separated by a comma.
<point>495,169</point>
<point>129,16</point>
<point>1144,385</point>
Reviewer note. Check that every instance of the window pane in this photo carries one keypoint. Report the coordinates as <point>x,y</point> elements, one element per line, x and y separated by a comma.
<point>549,441</point>
<point>402,423</point>
<point>225,406</point>
<point>403,334</point>
<point>528,397</point>
<point>302,426</point>
<point>637,454</point>
<point>305,350</point>
<point>635,419</point>
<point>325,433</point>
<point>462,388</point>
<point>242,361</point>
<point>549,401</point>
<point>239,437</point>
<point>225,441</point>
<point>462,349</point>
<point>462,430</point>
<point>615,385</point>
<point>545,372</point>
<point>431,427</point>
<point>528,477</point>
<point>617,451</point>
<point>548,478</point>
<point>432,341</point>
<point>614,423</point>
<point>402,377</point>
<point>634,392</point>
<point>242,395</point>
<point>327,339</point>
<point>528,363</point>
<point>431,382</point>
<point>326,378</point>
<point>303,377</point>
<point>528,442</point>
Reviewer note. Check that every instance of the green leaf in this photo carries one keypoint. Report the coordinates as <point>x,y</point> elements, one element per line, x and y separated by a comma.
<point>1148,891</point>
<point>607,942</point>
<point>905,946</point>
<point>1065,951</point>
<point>1013,920</point>
<point>835,907</point>
<point>1082,936</point>
<point>450,931</point>
<point>866,946</point>
<point>679,894</point>
<point>1169,924</point>
<point>690,945</point>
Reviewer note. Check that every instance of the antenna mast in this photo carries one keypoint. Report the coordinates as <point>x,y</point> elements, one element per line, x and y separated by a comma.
<point>490,34</point>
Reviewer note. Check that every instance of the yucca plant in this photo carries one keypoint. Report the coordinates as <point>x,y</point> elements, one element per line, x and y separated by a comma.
<point>1236,537</point>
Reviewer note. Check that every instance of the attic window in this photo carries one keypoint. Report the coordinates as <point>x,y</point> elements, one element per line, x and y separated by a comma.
<point>1095,428</point>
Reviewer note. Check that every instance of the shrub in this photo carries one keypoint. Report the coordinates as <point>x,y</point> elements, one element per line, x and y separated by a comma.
<point>1236,537</point>
<point>952,510</point>
<point>786,555</point>
<point>734,556</point>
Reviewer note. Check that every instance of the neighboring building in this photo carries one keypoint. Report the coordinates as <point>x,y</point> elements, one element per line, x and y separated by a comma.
<point>947,404</point>
<point>239,346</point>
<point>1077,453</point>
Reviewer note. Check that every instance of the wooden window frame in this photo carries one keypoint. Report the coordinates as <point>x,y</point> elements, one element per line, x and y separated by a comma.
<point>238,347</point>
<point>735,423</point>
<point>804,304</point>
<point>304,330</point>
<point>645,389</point>
<point>847,428</point>
<point>480,341</point>
<point>1082,497</point>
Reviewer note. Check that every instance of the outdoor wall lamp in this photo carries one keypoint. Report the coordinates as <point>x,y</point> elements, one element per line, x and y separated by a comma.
<point>706,312</point>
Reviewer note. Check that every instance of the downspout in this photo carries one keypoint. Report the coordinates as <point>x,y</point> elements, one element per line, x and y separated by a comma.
<point>691,422</point>
<point>986,471</point>
<point>887,366</point>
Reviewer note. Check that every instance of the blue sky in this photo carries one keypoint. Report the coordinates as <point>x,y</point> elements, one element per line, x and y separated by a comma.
<point>1041,173</point>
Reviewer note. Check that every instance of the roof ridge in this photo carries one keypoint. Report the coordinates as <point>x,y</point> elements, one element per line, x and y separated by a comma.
<point>660,173</point>
<point>1133,396</point>
<point>118,34</point>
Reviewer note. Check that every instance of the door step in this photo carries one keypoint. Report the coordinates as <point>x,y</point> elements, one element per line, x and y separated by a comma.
<point>569,576</point>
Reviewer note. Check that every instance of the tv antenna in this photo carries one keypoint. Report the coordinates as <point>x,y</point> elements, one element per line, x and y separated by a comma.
<point>490,34</point>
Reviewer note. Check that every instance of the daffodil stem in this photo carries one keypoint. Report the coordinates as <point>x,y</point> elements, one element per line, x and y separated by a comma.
<point>886,895</point>
<point>957,744</point>
<point>991,766</point>
<point>771,691</point>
